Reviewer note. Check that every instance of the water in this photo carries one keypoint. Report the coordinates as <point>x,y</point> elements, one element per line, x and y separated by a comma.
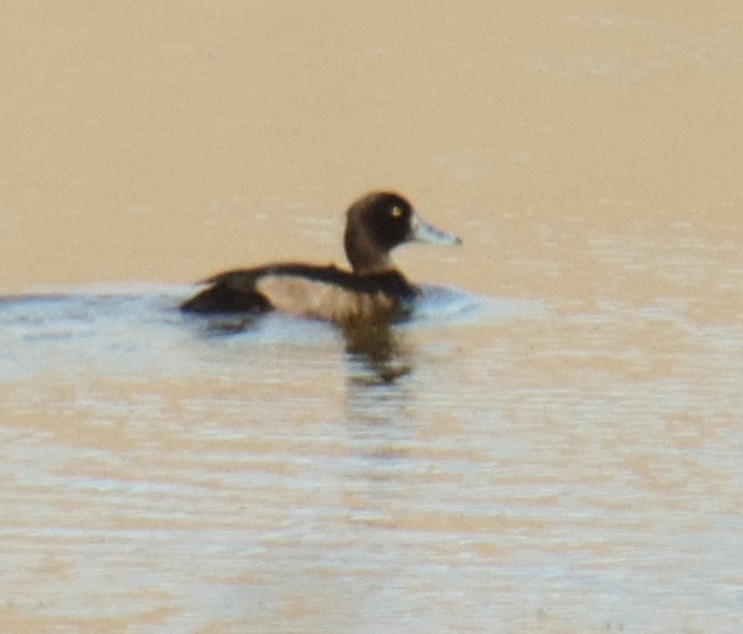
<point>500,468</point>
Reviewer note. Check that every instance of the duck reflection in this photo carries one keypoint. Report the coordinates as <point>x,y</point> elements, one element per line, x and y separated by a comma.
<point>377,354</point>
<point>380,365</point>
<point>380,431</point>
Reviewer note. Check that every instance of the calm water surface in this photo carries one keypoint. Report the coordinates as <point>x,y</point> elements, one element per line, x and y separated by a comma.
<point>495,465</point>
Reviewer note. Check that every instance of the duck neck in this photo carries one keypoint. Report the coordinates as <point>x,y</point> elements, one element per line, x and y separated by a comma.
<point>364,255</point>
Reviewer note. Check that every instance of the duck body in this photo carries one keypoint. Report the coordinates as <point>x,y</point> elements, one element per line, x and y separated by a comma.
<point>317,292</point>
<point>373,291</point>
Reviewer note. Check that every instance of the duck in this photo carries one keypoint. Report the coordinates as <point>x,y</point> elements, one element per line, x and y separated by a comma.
<point>372,291</point>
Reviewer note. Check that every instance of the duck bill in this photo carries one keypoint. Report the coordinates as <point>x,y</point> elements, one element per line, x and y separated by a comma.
<point>421,231</point>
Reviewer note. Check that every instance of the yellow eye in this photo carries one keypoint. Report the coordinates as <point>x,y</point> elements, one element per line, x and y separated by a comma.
<point>396,212</point>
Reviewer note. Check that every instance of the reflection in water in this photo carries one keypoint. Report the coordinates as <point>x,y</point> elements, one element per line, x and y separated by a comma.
<point>378,364</point>
<point>379,349</point>
<point>380,431</point>
<point>221,325</point>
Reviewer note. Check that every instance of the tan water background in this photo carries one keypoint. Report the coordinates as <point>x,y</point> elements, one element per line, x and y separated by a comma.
<point>568,463</point>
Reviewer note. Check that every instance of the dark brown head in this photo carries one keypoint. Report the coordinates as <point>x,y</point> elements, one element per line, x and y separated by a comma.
<point>379,222</point>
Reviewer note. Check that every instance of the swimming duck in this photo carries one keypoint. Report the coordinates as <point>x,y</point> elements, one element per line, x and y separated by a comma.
<point>373,291</point>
